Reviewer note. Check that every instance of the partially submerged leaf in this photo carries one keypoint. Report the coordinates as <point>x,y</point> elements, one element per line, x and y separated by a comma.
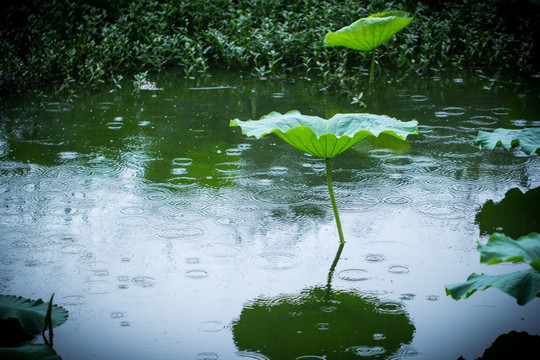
<point>528,138</point>
<point>30,313</point>
<point>370,32</point>
<point>524,286</point>
<point>325,138</point>
<point>501,248</point>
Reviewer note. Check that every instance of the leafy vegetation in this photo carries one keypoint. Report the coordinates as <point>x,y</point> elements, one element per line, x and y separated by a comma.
<point>523,285</point>
<point>74,42</point>
<point>326,138</point>
<point>20,319</point>
<point>528,138</point>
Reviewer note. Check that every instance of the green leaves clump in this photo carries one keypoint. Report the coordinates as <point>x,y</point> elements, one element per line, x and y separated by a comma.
<point>20,319</point>
<point>369,33</point>
<point>30,313</point>
<point>524,285</point>
<point>325,138</point>
<point>528,138</point>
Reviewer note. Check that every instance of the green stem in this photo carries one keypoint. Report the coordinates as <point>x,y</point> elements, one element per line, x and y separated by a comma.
<point>333,199</point>
<point>372,68</point>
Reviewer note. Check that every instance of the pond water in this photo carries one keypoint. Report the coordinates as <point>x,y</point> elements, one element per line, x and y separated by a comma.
<point>167,234</point>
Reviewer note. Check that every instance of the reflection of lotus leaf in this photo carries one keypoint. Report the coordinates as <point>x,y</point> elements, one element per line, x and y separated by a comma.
<point>515,215</point>
<point>344,325</point>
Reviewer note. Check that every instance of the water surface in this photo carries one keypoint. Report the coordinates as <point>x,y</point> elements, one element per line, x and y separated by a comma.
<point>168,235</point>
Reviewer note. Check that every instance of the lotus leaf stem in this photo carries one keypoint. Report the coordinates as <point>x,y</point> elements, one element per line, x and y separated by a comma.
<point>333,199</point>
<point>372,68</point>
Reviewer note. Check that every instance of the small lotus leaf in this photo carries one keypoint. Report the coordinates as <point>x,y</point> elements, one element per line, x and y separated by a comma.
<point>524,286</point>
<point>528,138</point>
<point>30,313</point>
<point>325,138</point>
<point>369,33</point>
<point>501,248</point>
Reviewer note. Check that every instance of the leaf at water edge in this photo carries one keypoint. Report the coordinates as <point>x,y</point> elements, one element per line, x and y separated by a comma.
<point>528,138</point>
<point>325,138</point>
<point>524,286</point>
<point>30,313</point>
<point>369,33</point>
<point>30,352</point>
<point>501,248</point>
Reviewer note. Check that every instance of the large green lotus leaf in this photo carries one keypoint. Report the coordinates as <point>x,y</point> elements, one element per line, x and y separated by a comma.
<point>29,352</point>
<point>528,138</point>
<point>30,313</point>
<point>524,286</point>
<point>370,32</point>
<point>325,138</point>
<point>501,248</point>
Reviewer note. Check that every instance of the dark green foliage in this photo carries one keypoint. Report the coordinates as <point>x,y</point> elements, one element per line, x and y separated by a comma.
<point>74,41</point>
<point>515,215</point>
<point>516,345</point>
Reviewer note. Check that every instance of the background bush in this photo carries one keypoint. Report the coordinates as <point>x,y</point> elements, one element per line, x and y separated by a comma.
<point>72,42</point>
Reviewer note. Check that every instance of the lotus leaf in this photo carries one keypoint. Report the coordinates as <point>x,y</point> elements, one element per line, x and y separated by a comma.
<point>524,285</point>
<point>528,289</point>
<point>501,248</point>
<point>370,32</point>
<point>30,313</point>
<point>528,138</point>
<point>325,138</point>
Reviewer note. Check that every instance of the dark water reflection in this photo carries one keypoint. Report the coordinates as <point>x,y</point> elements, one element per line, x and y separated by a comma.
<point>156,224</point>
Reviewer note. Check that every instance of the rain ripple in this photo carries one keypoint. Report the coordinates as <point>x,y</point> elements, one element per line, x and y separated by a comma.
<point>196,274</point>
<point>415,164</point>
<point>207,356</point>
<point>180,232</point>
<point>450,111</point>
<point>367,351</point>
<point>391,307</point>
<point>222,250</point>
<point>441,210</point>
<point>353,275</point>
<point>211,326</point>
<point>144,281</point>
<point>251,355</point>
<point>277,195</point>
<point>398,269</point>
<point>276,261</point>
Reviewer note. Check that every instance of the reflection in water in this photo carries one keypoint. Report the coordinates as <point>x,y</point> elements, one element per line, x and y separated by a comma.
<point>516,215</point>
<point>323,323</point>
